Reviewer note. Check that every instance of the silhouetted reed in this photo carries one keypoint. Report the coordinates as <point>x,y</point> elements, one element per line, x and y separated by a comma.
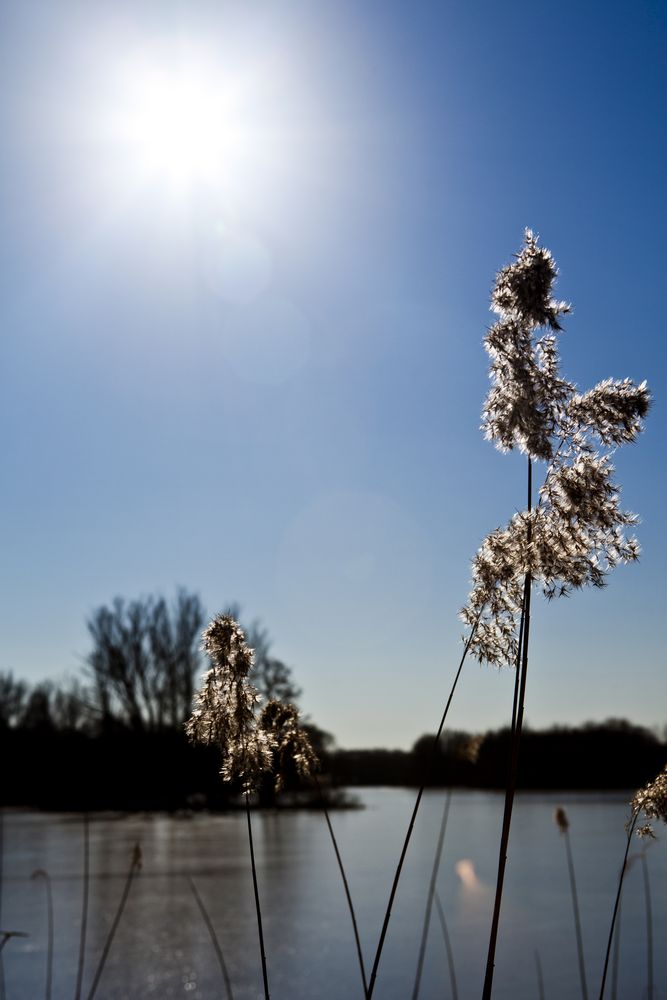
<point>434,749</point>
<point>214,939</point>
<point>84,907</point>
<point>254,748</point>
<point>343,875</point>
<point>652,801</point>
<point>40,873</point>
<point>5,936</point>
<point>563,824</point>
<point>2,875</point>
<point>617,953</point>
<point>430,895</point>
<point>135,866</point>
<point>575,534</point>
<point>448,945</point>
<point>540,977</point>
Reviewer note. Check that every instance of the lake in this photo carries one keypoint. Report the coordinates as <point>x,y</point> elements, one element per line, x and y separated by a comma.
<point>162,948</point>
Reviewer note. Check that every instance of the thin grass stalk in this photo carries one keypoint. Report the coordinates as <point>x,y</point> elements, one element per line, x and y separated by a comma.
<point>399,867</point>
<point>2,862</point>
<point>214,939</point>
<point>617,954</point>
<point>577,919</point>
<point>448,946</point>
<point>265,976</point>
<point>84,906</point>
<point>6,935</point>
<point>135,865</point>
<point>540,977</point>
<point>522,658</point>
<point>617,903</point>
<point>649,926</point>
<point>431,894</point>
<point>346,886</point>
<point>40,873</point>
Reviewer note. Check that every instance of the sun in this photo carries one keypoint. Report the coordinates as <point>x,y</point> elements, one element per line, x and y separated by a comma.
<point>179,120</point>
<point>177,127</point>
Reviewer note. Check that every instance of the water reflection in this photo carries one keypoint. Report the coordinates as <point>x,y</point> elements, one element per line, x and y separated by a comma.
<point>162,947</point>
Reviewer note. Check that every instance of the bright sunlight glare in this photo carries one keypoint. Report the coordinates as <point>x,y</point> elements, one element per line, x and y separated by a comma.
<point>177,128</point>
<point>180,121</point>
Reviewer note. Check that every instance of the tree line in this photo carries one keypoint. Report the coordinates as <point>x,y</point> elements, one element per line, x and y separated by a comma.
<point>140,674</point>
<point>614,754</point>
<point>113,737</point>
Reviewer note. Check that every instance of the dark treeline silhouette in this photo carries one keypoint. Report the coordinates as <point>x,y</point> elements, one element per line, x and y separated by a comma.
<point>595,756</point>
<point>114,739</point>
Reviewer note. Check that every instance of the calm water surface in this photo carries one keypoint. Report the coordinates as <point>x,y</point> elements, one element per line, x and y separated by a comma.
<point>162,948</point>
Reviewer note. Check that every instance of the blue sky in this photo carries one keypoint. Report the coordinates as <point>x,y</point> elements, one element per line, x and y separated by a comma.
<point>259,373</point>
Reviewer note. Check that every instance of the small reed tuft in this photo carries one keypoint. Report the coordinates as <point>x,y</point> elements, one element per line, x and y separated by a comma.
<point>561,820</point>
<point>652,801</point>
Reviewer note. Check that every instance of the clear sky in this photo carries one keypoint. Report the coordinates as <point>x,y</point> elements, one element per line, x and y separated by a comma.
<point>245,262</point>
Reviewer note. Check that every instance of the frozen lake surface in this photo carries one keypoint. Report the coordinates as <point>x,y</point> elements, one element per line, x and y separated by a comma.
<point>162,948</point>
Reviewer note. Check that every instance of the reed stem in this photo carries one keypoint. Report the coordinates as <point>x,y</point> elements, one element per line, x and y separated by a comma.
<point>135,865</point>
<point>617,903</point>
<point>2,861</point>
<point>214,939</point>
<point>430,895</point>
<point>448,946</point>
<point>346,886</point>
<point>40,873</point>
<point>84,906</point>
<point>413,817</point>
<point>540,978</point>
<point>265,976</point>
<point>649,926</point>
<point>577,919</point>
<point>522,660</point>
<point>617,954</point>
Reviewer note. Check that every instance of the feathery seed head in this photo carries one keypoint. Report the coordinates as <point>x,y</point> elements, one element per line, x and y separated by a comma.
<point>224,712</point>
<point>652,801</point>
<point>292,748</point>
<point>225,715</point>
<point>561,820</point>
<point>576,534</point>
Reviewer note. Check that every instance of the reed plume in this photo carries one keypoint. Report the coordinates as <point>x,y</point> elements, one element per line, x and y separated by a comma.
<point>651,800</point>
<point>253,746</point>
<point>40,873</point>
<point>576,532</point>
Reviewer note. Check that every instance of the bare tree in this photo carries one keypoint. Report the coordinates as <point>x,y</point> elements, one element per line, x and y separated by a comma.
<point>37,711</point>
<point>271,677</point>
<point>144,659</point>
<point>12,699</point>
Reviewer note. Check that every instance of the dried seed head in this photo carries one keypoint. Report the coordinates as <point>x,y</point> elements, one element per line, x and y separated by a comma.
<point>577,533</point>
<point>652,801</point>
<point>292,749</point>
<point>224,712</point>
<point>561,820</point>
<point>225,715</point>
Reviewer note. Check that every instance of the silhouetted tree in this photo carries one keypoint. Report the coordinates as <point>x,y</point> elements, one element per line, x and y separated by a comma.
<point>271,677</point>
<point>72,706</point>
<point>144,659</point>
<point>37,712</point>
<point>12,698</point>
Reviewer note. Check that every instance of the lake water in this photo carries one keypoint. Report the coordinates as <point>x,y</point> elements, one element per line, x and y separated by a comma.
<point>162,948</point>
